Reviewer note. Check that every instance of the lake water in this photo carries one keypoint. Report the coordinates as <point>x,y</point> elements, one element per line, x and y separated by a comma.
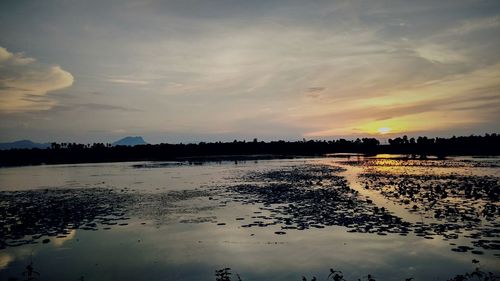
<point>389,217</point>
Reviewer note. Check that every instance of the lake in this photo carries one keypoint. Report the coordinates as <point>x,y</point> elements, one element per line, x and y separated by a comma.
<point>388,216</point>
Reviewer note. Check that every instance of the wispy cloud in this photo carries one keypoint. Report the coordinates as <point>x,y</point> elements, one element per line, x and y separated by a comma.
<point>93,107</point>
<point>440,54</point>
<point>467,26</point>
<point>128,81</point>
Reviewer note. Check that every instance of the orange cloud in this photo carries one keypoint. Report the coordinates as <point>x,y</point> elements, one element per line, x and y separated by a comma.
<point>25,83</point>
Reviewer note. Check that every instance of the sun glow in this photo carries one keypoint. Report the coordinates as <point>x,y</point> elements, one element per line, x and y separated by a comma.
<point>384,130</point>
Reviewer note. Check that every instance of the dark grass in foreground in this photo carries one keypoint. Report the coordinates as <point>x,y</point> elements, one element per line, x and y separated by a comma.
<point>336,275</point>
<point>225,274</point>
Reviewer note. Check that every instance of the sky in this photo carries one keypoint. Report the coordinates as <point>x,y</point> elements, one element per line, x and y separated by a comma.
<point>188,71</point>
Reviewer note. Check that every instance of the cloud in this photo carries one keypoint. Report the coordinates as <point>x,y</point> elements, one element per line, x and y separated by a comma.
<point>451,102</point>
<point>93,107</point>
<point>25,83</point>
<point>128,81</point>
<point>14,59</point>
<point>439,54</point>
<point>196,71</point>
<point>468,26</point>
<point>314,92</point>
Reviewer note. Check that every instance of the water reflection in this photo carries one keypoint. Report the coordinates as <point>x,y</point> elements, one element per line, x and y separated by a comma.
<point>5,259</point>
<point>60,241</point>
<point>183,222</point>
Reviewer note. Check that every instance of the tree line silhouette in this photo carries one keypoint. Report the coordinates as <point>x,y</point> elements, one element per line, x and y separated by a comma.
<point>67,153</point>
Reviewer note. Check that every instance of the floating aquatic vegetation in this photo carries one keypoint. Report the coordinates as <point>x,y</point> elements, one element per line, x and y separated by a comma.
<point>449,203</point>
<point>29,216</point>
<point>305,174</point>
<point>150,165</point>
<point>429,163</point>
<point>26,216</point>
<point>313,196</point>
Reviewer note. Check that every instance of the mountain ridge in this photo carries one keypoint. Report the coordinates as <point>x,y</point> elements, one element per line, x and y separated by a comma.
<point>130,141</point>
<point>23,144</point>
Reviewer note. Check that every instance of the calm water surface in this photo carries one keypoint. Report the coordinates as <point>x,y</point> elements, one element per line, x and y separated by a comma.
<point>190,236</point>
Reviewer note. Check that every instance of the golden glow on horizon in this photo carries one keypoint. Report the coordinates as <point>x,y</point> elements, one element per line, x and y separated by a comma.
<point>405,125</point>
<point>387,127</point>
<point>384,130</point>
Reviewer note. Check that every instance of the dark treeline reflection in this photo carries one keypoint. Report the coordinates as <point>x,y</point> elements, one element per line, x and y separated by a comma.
<point>422,147</point>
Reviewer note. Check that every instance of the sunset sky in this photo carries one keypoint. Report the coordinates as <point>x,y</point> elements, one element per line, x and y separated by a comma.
<point>182,71</point>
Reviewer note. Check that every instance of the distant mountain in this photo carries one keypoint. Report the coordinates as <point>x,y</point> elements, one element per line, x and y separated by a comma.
<point>130,141</point>
<point>23,144</point>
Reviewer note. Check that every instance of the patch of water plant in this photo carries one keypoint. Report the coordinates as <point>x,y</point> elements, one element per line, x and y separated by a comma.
<point>26,217</point>
<point>448,203</point>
